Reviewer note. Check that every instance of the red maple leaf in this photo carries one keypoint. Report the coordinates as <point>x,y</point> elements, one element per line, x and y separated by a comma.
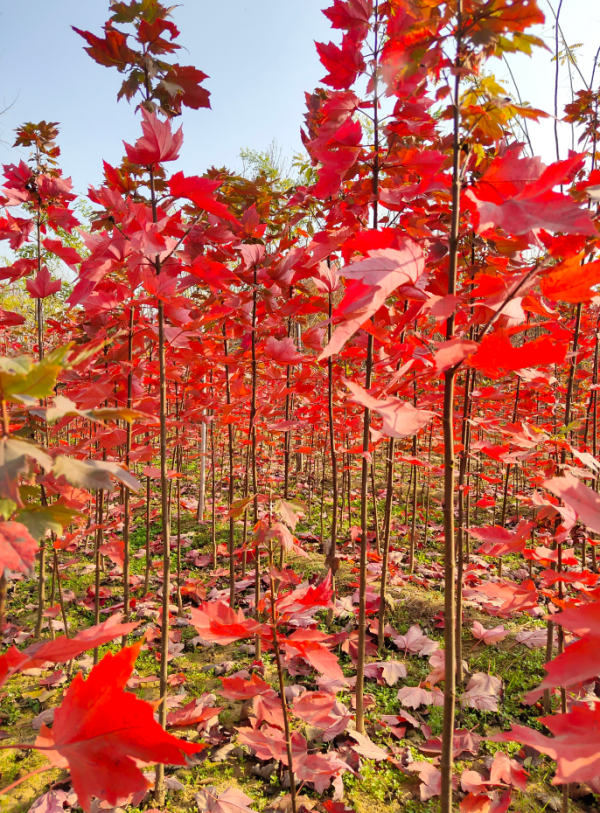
<point>572,280</point>
<point>237,688</point>
<point>310,644</point>
<point>61,218</point>
<point>157,144</point>
<point>348,14</point>
<point>283,352</point>
<point>499,541</point>
<point>67,254</point>
<point>111,50</point>
<point>375,278</point>
<point>304,597</point>
<point>43,285</point>
<point>216,621</point>
<point>581,498</point>
<point>497,353</point>
<point>101,725</point>
<point>63,649</point>
<point>517,195</point>
<point>189,79</point>
<point>577,756</point>
<point>17,548</point>
<point>192,713</point>
<point>581,660</point>
<point>199,191</point>
<point>344,64</point>
<point>400,418</point>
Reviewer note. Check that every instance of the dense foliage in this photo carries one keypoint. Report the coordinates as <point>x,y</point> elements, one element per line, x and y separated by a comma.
<point>282,412</point>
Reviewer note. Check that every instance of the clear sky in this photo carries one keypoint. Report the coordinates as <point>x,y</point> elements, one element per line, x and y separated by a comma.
<point>260,57</point>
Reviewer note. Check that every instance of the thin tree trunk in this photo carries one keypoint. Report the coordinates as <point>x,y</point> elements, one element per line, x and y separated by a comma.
<point>449,462</point>
<point>231,478</point>
<point>147,569</point>
<point>97,561</point>
<point>252,437</point>
<point>460,535</point>
<point>362,591</point>
<point>127,495</point>
<point>375,511</point>
<point>389,499</point>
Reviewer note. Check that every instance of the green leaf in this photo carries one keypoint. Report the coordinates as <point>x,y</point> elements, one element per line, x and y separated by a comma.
<point>7,507</point>
<point>23,380</point>
<point>29,493</point>
<point>32,450</point>
<point>42,518</point>
<point>290,511</point>
<point>13,464</point>
<point>90,474</point>
<point>64,406</point>
<point>238,507</point>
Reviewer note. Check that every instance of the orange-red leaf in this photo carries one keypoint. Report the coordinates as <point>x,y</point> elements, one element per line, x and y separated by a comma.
<point>100,731</point>
<point>570,281</point>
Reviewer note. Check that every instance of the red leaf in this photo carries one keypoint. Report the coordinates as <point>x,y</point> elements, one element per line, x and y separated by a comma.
<point>64,649</point>
<point>231,800</point>
<point>377,277</point>
<point>415,642</point>
<point>305,597</point>
<point>111,51</point>
<point>115,550</point>
<point>216,621</point>
<point>489,637</point>
<point>43,285</point>
<point>326,281</point>
<point>11,318</point>
<point>310,645</point>
<point>344,64</point>
<point>61,218</point>
<point>577,756</point>
<point>514,597</point>
<point>102,725</point>
<point>413,696</point>
<point>508,771</point>
<point>498,541</point>
<point>315,708</point>
<point>17,548</point>
<point>199,191</point>
<point>283,352</point>
<point>581,660</point>
<point>431,778</point>
<point>572,280</point>
<point>472,782</point>
<point>400,418</point>
<point>267,707</point>
<point>269,743</point>
<point>67,254</point>
<point>367,748</point>
<point>158,143</point>
<point>504,198</point>
<point>348,14</point>
<point>236,688</point>
<point>581,498</point>
<point>313,338</point>
<point>453,352</point>
<point>497,353</point>
<point>191,714</point>
<point>188,79</point>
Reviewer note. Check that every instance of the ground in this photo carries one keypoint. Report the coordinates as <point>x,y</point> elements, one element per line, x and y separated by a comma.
<point>382,786</point>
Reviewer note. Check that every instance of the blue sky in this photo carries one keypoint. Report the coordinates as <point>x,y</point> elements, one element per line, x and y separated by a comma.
<point>260,57</point>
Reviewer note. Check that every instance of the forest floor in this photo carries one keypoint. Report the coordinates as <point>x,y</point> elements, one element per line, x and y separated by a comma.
<point>380,786</point>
